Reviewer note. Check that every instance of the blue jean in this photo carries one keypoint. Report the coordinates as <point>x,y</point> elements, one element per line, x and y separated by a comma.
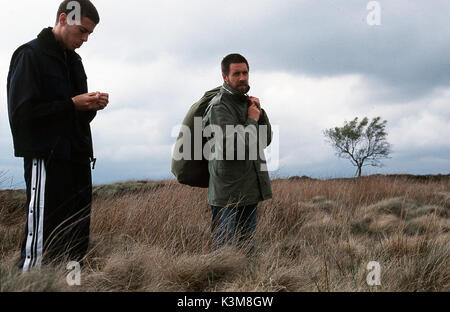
<point>233,225</point>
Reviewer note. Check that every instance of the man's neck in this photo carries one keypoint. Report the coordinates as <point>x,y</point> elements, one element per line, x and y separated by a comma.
<point>58,38</point>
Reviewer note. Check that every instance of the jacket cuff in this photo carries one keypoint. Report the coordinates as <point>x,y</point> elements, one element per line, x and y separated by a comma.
<point>251,121</point>
<point>262,119</point>
<point>70,104</point>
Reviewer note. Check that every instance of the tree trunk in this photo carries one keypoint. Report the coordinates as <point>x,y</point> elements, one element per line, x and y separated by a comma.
<point>358,172</point>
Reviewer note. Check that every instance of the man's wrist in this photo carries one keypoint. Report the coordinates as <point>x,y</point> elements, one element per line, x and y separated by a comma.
<point>250,120</point>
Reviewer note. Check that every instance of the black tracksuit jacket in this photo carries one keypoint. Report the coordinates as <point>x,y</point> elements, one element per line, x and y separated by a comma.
<point>42,79</point>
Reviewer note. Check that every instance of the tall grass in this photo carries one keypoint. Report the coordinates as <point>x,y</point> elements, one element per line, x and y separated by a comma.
<point>312,236</point>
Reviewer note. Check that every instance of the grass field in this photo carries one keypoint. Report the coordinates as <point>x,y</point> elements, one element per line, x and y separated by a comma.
<point>314,235</point>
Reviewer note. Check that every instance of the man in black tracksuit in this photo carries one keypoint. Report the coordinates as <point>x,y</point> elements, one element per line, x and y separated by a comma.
<point>50,113</point>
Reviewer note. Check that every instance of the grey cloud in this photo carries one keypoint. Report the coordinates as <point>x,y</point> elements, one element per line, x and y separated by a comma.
<point>408,52</point>
<point>401,61</point>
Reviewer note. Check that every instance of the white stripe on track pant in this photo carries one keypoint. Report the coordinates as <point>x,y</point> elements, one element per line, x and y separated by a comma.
<point>35,230</point>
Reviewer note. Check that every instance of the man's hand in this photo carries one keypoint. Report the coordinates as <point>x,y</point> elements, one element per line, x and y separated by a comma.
<point>255,101</point>
<point>254,108</point>
<point>103,100</point>
<point>93,101</point>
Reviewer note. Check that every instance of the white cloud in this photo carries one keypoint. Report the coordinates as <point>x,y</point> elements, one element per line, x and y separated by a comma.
<point>127,134</point>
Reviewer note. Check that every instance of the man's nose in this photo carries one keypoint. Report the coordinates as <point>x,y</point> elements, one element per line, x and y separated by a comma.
<point>85,37</point>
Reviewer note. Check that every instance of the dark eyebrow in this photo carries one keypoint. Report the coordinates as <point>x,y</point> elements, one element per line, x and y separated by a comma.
<point>85,29</point>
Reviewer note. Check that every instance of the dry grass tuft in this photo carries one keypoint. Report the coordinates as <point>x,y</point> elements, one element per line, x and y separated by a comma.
<point>312,236</point>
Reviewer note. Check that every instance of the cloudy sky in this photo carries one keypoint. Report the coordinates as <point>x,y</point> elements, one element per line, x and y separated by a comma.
<point>313,64</point>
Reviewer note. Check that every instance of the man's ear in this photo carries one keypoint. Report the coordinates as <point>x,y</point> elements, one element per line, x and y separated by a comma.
<point>224,78</point>
<point>62,19</point>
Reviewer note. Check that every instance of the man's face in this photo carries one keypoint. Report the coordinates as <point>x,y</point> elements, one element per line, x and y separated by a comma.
<point>237,77</point>
<point>73,36</point>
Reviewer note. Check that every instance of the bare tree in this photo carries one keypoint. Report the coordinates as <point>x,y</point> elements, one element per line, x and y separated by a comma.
<point>362,143</point>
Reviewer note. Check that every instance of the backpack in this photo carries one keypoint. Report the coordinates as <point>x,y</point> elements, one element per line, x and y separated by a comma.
<point>193,172</point>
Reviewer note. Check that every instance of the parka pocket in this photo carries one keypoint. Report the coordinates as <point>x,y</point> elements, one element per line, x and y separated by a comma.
<point>232,170</point>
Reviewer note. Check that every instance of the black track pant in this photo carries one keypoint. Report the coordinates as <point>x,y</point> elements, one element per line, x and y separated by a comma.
<point>59,195</point>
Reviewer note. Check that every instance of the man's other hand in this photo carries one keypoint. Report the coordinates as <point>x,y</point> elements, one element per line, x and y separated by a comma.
<point>93,101</point>
<point>103,100</point>
<point>255,101</point>
<point>254,108</point>
<point>254,112</point>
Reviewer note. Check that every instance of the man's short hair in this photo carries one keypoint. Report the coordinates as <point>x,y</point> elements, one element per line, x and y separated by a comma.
<point>87,10</point>
<point>232,59</point>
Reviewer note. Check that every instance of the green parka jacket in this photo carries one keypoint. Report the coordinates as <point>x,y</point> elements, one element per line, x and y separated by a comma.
<point>236,179</point>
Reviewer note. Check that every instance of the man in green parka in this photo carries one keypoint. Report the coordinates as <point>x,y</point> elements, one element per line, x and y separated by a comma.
<point>239,130</point>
